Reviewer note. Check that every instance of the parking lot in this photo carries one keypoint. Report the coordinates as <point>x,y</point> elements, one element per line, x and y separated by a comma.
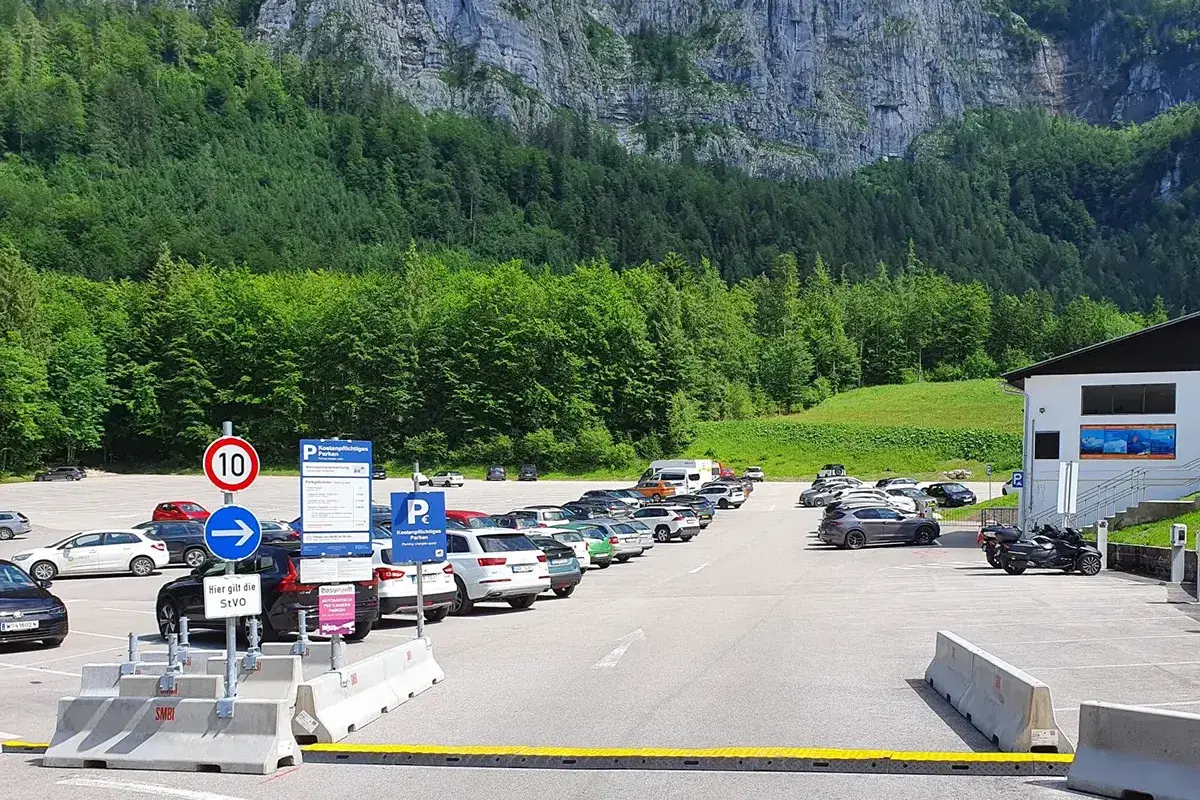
<point>751,634</point>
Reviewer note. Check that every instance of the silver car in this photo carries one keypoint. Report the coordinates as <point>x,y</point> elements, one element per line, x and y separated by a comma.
<point>13,523</point>
<point>644,530</point>
<point>629,539</point>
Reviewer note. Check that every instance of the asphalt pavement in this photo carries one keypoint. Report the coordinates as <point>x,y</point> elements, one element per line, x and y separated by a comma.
<point>753,634</point>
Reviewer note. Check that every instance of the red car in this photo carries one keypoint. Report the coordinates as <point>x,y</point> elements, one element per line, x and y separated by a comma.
<point>180,511</point>
<point>469,519</point>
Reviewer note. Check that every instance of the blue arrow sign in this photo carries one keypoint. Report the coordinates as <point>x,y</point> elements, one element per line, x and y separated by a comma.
<point>232,533</point>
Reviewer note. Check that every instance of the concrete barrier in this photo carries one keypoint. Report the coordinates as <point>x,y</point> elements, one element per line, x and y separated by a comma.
<point>1006,704</point>
<point>101,680</point>
<point>1127,751</point>
<point>317,651</point>
<point>411,669</point>
<point>171,733</point>
<point>274,678</point>
<point>205,687</point>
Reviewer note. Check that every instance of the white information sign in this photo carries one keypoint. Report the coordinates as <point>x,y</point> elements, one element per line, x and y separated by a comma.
<point>335,570</point>
<point>232,596</point>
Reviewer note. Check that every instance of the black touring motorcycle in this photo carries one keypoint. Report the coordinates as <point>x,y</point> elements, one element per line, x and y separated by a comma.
<point>1010,549</point>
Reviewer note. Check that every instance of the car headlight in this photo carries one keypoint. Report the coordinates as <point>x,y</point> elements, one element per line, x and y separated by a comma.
<point>22,556</point>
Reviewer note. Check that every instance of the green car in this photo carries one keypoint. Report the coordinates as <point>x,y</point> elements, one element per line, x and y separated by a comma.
<point>599,548</point>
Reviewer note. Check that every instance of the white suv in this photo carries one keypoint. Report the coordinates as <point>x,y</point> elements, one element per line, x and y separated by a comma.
<point>753,473</point>
<point>542,516</point>
<point>724,495</point>
<point>398,585</point>
<point>667,523</point>
<point>447,479</point>
<point>495,564</point>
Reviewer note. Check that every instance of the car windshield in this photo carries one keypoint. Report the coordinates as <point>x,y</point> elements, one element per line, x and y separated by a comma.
<point>190,508</point>
<point>555,516</point>
<point>505,543</point>
<point>570,538</point>
<point>954,487</point>
<point>12,579</point>
<point>594,533</point>
<point>638,525</point>
<point>624,528</point>
<point>480,522</point>
<point>686,512</point>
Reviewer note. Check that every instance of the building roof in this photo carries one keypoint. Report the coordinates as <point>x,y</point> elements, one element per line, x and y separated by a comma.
<point>1172,346</point>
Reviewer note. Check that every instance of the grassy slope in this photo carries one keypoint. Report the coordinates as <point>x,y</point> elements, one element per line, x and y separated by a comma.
<point>850,431</point>
<point>1158,534</point>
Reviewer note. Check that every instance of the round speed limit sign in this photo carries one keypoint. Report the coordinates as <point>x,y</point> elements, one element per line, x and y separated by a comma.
<point>231,463</point>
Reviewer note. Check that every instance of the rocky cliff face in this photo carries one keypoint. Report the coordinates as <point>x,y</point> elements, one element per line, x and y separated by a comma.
<point>814,87</point>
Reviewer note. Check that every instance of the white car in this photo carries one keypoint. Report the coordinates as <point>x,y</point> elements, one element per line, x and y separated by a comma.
<point>1006,489</point>
<point>542,516</point>
<point>878,496</point>
<point>574,540</point>
<point>724,495</point>
<point>447,479</point>
<point>667,523</point>
<point>495,564</point>
<point>99,551</point>
<point>753,473</point>
<point>398,585</point>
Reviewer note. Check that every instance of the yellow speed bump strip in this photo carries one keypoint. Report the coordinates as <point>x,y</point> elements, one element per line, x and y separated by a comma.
<point>743,759</point>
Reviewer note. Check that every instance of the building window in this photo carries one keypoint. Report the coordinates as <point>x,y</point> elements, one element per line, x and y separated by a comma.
<point>1045,445</point>
<point>1128,398</point>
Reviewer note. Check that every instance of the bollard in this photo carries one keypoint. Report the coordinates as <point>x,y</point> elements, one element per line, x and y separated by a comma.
<point>300,648</point>
<point>337,655</point>
<point>130,665</point>
<point>1178,541</point>
<point>1102,542</point>
<point>166,682</point>
<point>184,637</point>
<point>250,660</point>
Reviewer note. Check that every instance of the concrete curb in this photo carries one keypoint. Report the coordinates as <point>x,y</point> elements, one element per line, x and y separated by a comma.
<point>724,759</point>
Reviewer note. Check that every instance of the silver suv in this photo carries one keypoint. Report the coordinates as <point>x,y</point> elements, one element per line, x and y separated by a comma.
<point>668,523</point>
<point>13,523</point>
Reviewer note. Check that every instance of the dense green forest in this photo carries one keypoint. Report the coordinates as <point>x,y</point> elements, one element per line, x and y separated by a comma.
<point>123,130</point>
<point>193,229</point>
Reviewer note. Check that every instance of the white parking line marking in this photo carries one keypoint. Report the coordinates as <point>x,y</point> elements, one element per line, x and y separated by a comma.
<point>39,669</point>
<point>1117,666</point>
<point>8,737</point>
<point>126,610</point>
<point>145,788</point>
<point>102,635</point>
<point>697,569</point>
<point>73,655</point>
<point>613,658</point>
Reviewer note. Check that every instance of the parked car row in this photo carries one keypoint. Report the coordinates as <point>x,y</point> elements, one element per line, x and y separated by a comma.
<point>905,494</point>
<point>894,510</point>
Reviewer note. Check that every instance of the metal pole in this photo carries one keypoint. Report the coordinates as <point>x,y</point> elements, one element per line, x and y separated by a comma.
<point>300,648</point>
<point>230,623</point>
<point>184,638</point>
<point>420,567</point>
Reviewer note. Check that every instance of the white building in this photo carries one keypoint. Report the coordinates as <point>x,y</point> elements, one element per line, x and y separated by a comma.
<point>1126,410</point>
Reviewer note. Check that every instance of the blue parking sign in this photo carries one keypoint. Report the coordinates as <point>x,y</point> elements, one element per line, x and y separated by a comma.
<point>418,527</point>
<point>1018,480</point>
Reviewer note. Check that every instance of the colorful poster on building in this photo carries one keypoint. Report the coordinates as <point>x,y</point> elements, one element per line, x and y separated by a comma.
<point>1127,441</point>
<point>335,609</point>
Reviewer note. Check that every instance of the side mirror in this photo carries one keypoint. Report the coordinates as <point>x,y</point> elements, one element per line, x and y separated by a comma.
<point>45,584</point>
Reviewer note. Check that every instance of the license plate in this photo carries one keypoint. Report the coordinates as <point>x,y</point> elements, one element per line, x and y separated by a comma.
<point>24,625</point>
<point>558,562</point>
<point>523,568</point>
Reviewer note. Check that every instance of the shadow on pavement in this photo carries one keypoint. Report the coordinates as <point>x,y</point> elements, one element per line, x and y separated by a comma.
<point>954,721</point>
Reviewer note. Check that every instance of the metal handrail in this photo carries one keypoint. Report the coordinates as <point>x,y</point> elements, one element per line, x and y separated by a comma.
<point>1131,486</point>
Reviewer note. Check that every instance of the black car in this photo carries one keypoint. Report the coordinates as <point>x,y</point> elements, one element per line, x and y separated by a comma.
<point>28,612</point>
<point>378,473</point>
<point>950,494</point>
<point>559,557</point>
<point>277,532</point>
<point>608,506</point>
<point>581,509</point>
<point>528,473</point>
<point>283,596</point>
<point>184,541</point>
<point>497,473</point>
<point>61,474</point>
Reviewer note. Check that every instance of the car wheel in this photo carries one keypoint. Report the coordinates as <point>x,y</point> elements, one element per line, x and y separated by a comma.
<point>462,604</point>
<point>362,629</point>
<point>687,538</point>
<point>52,643</point>
<point>43,571</point>
<point>1089,564</point>
<point>565,591</point>
<point>437,614</point>
<point>623,559</point>
<point>923,536</point>
<point>195,557</point>
<point>855,540</point>
<point>662,534</point>
<point>722,503</point>
<point>523,602</point>
<point>168,619</point>
<point>1014,567</point>
<point>656,498</point>
<point>141,567</point>
<point>5,534</point>
<point>603,564</point>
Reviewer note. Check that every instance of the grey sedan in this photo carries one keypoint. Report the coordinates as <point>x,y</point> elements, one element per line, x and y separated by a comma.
<point>855,528</point>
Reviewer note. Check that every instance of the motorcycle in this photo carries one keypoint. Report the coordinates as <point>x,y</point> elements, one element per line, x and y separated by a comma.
<point>992,537</point>
<point>1051,549</point>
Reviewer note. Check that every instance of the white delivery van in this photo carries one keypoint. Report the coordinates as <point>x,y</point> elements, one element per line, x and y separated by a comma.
<point>686,475</point>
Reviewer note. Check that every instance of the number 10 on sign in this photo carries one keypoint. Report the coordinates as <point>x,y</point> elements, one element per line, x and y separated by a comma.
<point>231,463</point>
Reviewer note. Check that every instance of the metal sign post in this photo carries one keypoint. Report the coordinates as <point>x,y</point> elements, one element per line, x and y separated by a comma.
<point>418,536</point>
<point>1068,490</point>
<point>420,567</point>
<point>989,481</point>
<point>225,708</point>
